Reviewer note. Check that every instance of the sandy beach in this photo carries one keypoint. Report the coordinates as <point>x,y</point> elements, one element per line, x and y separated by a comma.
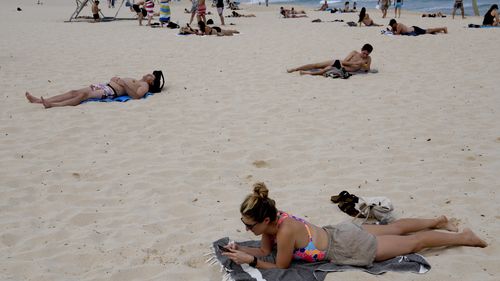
<point>139,190</point>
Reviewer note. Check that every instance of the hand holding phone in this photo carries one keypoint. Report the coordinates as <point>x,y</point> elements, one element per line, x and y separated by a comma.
<point>223,249</point>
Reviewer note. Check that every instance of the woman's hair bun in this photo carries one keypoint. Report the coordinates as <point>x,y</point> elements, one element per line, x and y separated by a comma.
<point>260,190</point>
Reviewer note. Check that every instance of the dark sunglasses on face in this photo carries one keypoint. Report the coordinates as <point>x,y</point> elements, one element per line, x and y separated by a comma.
<point>248,226</point>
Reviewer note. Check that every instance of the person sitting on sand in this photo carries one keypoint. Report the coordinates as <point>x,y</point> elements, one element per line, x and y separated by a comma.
<point>95,11</point>
<point>491,16</point>
<point>323,7</point>
<point>238,15</point>
<point>436,15</point>
<point>365,19</point>
<point>215,30</point>
<point>346,243</point>
<point>401,29</point>
<point>355,61</point>
<point>116,87</point>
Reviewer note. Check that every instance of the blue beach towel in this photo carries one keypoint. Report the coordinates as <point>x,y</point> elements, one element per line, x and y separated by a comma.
<point>123,98</point>
<point>482,26</point>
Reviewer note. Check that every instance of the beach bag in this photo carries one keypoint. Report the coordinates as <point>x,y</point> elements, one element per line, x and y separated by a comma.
<point>379,208</point>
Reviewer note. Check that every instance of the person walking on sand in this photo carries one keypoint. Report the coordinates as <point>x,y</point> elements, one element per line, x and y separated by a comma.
<point>345,243</point>
<point>194,10</point>
<point>384,6</point>
<point>397,8</point>
<point>95,11</point>
<point>220,10</point>
<point>459,4</point>
<point>202,11</point>
<point>150,10</point>
<point>401,29</point>
<point>135,88</point>
<point>355,61</point>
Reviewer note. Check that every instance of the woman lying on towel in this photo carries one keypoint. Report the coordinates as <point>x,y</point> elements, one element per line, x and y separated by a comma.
<point>365,19</point>
<point>345,243</point>
<point>116,87</point>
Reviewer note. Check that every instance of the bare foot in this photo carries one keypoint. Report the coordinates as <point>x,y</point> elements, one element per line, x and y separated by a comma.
<point>302,72</point>
<point>444,223</point>
<point>446,30</point>
<point>45,103</point>
<point>471,239</point>
<point>290,70</point>
<point>32,98</point>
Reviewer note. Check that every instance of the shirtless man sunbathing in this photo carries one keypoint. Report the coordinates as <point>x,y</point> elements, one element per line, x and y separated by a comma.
<point>355,61</point>
<point>116,87</point>
<point>401,29</point>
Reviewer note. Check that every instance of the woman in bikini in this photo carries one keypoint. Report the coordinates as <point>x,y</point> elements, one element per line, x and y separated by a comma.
<point>365,19</point>
<point>345,243</point>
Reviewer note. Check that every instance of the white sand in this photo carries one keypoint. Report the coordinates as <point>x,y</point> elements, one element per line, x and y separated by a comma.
<point>139,190</point>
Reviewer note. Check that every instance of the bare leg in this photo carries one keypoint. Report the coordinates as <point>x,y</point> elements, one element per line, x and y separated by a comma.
<point>192,17</point>
<point>75,100</point>
<point>221,19</point>
<point>32,98</point>
<point>405,226</point>
<point>311,66</point>
<point>437,30</point>
<point>462,9</point>
<point>389,246</point>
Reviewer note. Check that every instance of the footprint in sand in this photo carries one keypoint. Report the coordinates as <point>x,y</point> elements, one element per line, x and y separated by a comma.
<point>261,164</point>
<point>498,139</point>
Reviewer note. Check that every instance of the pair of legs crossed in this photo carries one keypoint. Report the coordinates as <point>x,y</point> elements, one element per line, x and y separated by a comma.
<point>73,97</point>
<point>407,236</point>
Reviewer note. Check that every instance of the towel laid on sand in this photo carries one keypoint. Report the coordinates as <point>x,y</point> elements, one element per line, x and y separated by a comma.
<point>303,271</point>
<point>123,98</point>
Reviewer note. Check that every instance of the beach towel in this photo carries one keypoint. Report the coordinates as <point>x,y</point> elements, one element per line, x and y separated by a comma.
<point>471,25</point>
<point>303,271</point>
<point>123,98</point>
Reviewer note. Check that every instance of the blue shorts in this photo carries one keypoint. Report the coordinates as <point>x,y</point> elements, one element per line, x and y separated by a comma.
<point>399,5</point>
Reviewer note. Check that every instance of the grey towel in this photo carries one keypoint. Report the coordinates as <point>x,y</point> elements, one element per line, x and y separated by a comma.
<point>303,271</point>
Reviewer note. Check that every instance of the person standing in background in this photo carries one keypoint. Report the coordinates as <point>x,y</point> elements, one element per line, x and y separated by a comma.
<point>459,4</point>
<point>397,8</point>
<point>220,10</point>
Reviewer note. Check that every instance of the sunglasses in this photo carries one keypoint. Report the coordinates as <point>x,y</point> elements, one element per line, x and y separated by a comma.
<point>249,226</point>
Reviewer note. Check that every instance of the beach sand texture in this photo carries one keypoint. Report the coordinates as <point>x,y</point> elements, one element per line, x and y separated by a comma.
<point>139,190</point>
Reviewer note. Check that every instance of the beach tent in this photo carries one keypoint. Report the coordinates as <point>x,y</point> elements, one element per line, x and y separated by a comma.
<point>80,4</point>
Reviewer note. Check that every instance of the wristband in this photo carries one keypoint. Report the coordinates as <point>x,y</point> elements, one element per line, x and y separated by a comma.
<point>254,262</point>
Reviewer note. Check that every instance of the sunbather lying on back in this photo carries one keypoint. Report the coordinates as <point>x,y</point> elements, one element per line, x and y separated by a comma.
<point>116,87</point>
<point>355,61</point>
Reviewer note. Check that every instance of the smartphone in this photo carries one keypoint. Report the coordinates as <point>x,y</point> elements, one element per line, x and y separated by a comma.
<point>223,249</point>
